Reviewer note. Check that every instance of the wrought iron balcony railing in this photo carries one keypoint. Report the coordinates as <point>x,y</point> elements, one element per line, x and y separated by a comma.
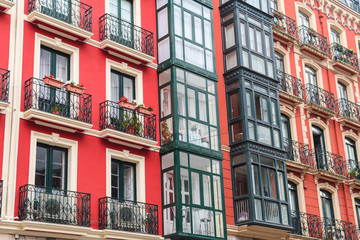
<point>313,226</point>
<point>313,39</point>
<point>290,84</point>
<point>298,152</point>
<point>73,12</point>
<point>4,84</point>
<point>127,34</point>
<point>344,55</point>
<point>1,194</point>
<point>42,97</point>
<point>129,216</point>
<point>284,23</point>
<point>330,162</point>
<point>43,204</point>
<point>348,109</point>
<point>320,97</point>
<point>127,121</point>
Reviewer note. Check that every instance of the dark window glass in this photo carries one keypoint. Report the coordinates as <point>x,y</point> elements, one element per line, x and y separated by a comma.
<point>123,180</point>
<point>122,85</point>
<point>285,126</point>
<point>241,181</point>
<point>327,207</point>
<point>293,196</point>
<point>351,154</point>
<point>279,62</point>
<point>342,91</point>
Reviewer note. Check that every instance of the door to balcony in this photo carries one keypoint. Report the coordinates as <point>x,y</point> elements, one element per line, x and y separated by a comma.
<point>59,9</point>
<point>319,145</point>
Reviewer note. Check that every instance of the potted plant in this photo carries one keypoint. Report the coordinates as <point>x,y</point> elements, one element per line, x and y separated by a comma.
<point>52,81</point>
<point>166,135</point>
<point>353,173</point>
<point>124,103</point>
<point>56,109</point>
<point>311,32</point>
<point>75,88</point>
<point>135,126</point>
<point>144,110</point>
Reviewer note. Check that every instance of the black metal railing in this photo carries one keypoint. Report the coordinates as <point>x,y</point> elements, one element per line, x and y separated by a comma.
<point>127,121</point>
<point>4,84</point>
<point>344,55</point>
<point>329,161</point>
<point>129,216</point>
<point>314,39</point>
<point>290,84</point>
<point>1,194</point>
<point>320,97</point>
<point>297,152</point>
<point>311,225</point>
<point>126,34</point>
<point>42,97</point>
<point>284,23</point>
<point>348,109</point>
<point>44,204</point>
<point>72,12</point>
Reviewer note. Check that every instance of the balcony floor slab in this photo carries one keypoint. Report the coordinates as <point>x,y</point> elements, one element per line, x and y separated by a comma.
<point>6,5</point>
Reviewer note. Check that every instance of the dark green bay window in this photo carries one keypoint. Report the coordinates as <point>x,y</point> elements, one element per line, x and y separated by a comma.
<point>248,41</point>
<point>193,202</point>
<point>188,109</point>
<point>260,189</point>
<point>259,4</point>
<point>191,43</point>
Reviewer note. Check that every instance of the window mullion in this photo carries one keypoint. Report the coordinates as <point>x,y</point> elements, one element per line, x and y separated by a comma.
<point>121,181</point>
<point>49,169</point>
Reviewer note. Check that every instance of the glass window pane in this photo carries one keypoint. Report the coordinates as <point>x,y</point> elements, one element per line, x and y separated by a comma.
<point>208,35</point>
<point>258,208</point>
<point>249,104</point>
<point>251,130</point>
<point>192,6</point>
<point>272,212</point>
<point>202,107</point>
<point>164,77</point>
<point>167,160</point>
<point>198,134</point>
<point>195,186</point>
<point>128,87</point>
<point>169,220</point>
<point>168,189</point>
<point>184,159</point>
<point>188,25</point>
<point>164,50</point>
<point>196,81</point>
<point>231,60</point>
<point>237,131</point>
<point>200,163</point>
<point>215,167</point>
<point>186,224</point>
<point>243,34</point>
<point>229,36</point>
<point>219,224</point>
<point>177,21</point>
<point>165,95</point>
<point>282,186</point>
<point>203,222</point>
<point>198,30</point>
<point>185,188</point>
<point>191,101</point>
<point>214,138</point>
<point>128,182</point>
<point>264,134</point>
<point>207,191</point>
<point>241,181</point>
<point>163,19</point>
<point>256,184</point>
<point>181,99</point>
<point>258,64</point>
<point>212,110</point>
<point>245,58</point>
<point>194,55</point>
<point>272,177</point>
<point>166,131</point>
<point>217,193</point>
<point>182,129</point>
<point>179,51</point>
<point>239,159</point>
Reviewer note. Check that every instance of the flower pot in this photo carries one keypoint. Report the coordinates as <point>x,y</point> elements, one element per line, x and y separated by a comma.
<point>144,110</point>
<point>52,82</point>
<point>74,89</point>
<point>127,105</point>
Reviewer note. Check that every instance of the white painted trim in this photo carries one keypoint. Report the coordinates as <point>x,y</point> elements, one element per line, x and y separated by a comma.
<point>300,6</point>
<point>291,115</point>
<point>55,140</point>
<point>136,11</point>
<point>300,190</point>
<point>349,87</point>
<point>316,67</point>
<point>319,123</point>
<point>339,29</point>
<point>285,53</point>
<point>334,196</point>
<point>123,67</point>
<point>56,44</point>
<point>140,170</point>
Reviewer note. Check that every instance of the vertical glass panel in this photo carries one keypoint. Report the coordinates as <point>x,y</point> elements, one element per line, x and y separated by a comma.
<point>270,69</point>
<point>129,182</point>
<point>186,224</point>
<point>58,169</point>
<point>208,35</point>
<point>167,160</point>
<point>184,159</point>
<point>209,61</point>
<point>128,87</point>
<point>267,45</point>
<point>195,188</point>
<point>200,163</point>
<point>202,107</point>
<point>271,210</point>
<point>219,224</point>
<point>217,193</point>
<point>194,55</point>
<point>245,59</point>
<point>61,68</point>
<point>214,138</point>
<point>41,160</point>
<point>207,13</point>
<point>249,104</point>
<point>198,30</point>
<point>239,159</point>
<point>212,110</point>
<point>126,11</point>
<point>231,60</point>
<point>165,95</point>
<point>177,21</point>
<point>163,19</point>
<point>274,114</point>
<point>169,194</point>
<point>251,130</point>
<point>185,188</point>
<point>164,50</point>
<point>259,45</point>
<point>179,51</point>
<point>215,167</point>
<point>196,81</point>
<point>181,99</point>
<point>256,184</point>
<point>272,178</point>
<point>207,191</point>
<point>164,77</point>
<point>211,86</point>
<point>284,211</point>
<point>160,3</point>
<point>265,183</point>
<point>203,222</point>
<point>180,75</point>
<point>166,131</point>
<point>191,103</point>
<point>169,220</point>
<point>258,64</point>
<point>114,7</point>
<point>241,181</point>
<point>198,134</point>
<point>237,131</point>
<point>188,25</point>
<point>243,34</point>
<point>277,138</point>
<point>264,109</point>
<point>282,186</point>
<point>252,38</point>
<point>182,129</point>
<point>192,6</point>
<point>264,134</point>
<point>229,36</point>
<point>258,208</point>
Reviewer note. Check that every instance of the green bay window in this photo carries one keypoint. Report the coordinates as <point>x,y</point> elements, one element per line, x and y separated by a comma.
<point>193,201</point>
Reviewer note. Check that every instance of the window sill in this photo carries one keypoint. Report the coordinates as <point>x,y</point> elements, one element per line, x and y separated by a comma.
<point>55,121</point>
<point>6,5</point>
<point>56,26</point>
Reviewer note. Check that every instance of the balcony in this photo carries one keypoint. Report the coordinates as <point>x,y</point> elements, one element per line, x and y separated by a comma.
<point>313,43</point>
<point>284,27</point>
<point>122,215</point>
<point>319,101</point>
<point>314,227</point>
<point>348,114</point>
<point>298,153</point>
<point>329,164</point>
<point>6,5</point>
<point>57,108</point>
<point>4,88</point>
<point>344,59</point>
<point>68,18</point>
<point>41,204</point>
<point>291,89</point>
<point>120,37</point>
<point>127,127</point>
